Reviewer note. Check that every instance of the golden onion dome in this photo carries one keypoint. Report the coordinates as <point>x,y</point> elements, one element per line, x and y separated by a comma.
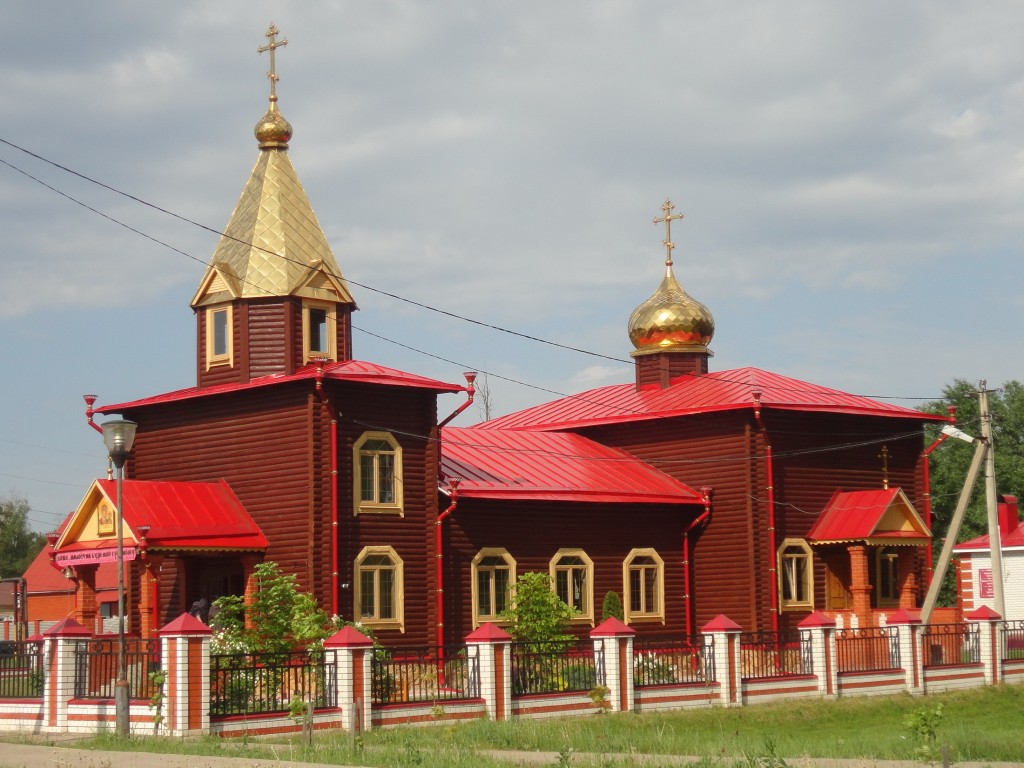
<point>671,320</point>
<point>273,130</point>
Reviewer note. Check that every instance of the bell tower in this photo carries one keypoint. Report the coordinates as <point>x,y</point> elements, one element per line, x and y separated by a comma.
<point>272,298</point>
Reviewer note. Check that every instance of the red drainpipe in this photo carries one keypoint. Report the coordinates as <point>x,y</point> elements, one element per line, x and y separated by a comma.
<point>772,545</point>
<point>926,471</point>
<point>90,401</point>
<point>333,413</point>
<point>706,492</point>
<point>439,555</point>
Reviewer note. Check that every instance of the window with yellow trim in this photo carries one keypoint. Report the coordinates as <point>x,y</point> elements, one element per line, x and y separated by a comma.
<point>379,592</point>
<point>493,574</point>
<point>378,473</point>
<point>796,575</point>
<point>219,336</point>
<point>644,586</point>
<point>572,577</point>
<point>319,332</point>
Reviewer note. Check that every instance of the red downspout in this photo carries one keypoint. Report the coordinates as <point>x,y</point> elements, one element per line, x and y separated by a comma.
<point>90,401</point>
<point>706,492</point>
<point>333,413</point>
<point>926,470</point>
<point>772,545</point>
<point>470,392</point>
<point>440,558</point>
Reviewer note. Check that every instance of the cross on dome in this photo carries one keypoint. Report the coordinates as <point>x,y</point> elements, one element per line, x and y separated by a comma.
<point>271,35</point>
<point>667,219</point>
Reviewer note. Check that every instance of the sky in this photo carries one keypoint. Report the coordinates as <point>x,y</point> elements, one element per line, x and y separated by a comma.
<point>851,176</point>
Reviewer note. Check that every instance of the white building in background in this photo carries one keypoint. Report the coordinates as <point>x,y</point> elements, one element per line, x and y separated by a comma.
<point>977,586</point>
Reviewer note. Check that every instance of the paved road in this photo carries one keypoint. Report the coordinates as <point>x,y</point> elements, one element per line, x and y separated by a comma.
<point>49,756</point>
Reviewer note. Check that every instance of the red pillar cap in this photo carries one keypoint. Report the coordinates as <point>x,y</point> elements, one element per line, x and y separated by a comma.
<point>186,624</point>
<point>68,628</point>
<point>903,616</point>
<point>488,632</point>
<point>348,637</point>
<point>983,614</point>
<point>721,623</point>
<point>611,627</point>
<point>817,619</point>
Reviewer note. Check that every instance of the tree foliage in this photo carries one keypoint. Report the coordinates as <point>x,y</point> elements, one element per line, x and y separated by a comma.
<point>538,616</point>
<point>280,617</point>
<point>19,544</point>
<point>951,461</point>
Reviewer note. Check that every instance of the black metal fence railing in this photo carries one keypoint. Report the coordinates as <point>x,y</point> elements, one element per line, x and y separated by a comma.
<point>555,667</point>
<point>269,682</point>
<point>871,649</point>
<point>775,654</point>
<point>434,673</point>
<point>21,670</point>
<point>947,645</point>
<point>673,660</point>
<point>1011,640</point>
<point>97,665</point>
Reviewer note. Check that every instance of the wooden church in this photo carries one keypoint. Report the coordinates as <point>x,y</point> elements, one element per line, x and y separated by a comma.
<point>689,492</point>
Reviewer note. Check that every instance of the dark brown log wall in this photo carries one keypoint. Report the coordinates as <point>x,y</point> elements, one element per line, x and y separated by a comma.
<point>533,532</point>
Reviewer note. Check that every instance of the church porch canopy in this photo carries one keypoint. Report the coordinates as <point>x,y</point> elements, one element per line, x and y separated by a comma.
<point>883,517</point>
<point>159,516</point>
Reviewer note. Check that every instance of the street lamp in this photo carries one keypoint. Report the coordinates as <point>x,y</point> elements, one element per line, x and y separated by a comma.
<point>119,436</point>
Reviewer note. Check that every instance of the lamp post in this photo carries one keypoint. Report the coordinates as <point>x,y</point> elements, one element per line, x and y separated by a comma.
<point>119,436</point>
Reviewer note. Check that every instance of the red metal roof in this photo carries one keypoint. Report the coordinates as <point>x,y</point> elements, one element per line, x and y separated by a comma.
<point>883,513</point>
<point>552,466</point>
<point>347,370</point>
<point>183,515</point>
<point>1007,541</point>
<point>718,391</point>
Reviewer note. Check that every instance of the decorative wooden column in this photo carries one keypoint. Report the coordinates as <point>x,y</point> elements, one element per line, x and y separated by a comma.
<point>860,585</point>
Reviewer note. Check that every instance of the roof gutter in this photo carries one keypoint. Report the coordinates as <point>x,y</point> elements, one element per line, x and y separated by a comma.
<point>772,544</point>
<point>333,413</point>
<point>470,393</point>
<point>90,401</point>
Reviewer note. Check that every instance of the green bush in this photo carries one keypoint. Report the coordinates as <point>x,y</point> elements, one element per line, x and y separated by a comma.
<point>611,608</point>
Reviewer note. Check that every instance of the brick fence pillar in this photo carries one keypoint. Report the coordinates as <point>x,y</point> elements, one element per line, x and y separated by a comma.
<point>820,630</point>
<point>59,687</point>
<point>986,621</point>
<point>490,646</point>
<point>909,627</point>
<point>725,634</point>
<point>613,640</point>
<point>185,661</point>
<point>351,652</point>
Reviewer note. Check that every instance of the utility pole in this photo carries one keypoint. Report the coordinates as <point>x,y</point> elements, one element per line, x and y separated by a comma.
<point>995,539</point>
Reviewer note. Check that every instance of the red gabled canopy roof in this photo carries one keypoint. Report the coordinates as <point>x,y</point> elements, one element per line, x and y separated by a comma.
<point>718,391</point>
<point>180,515</point>
<point>347,370</point>
<point>1010,540</point>
<point>880,514</point>
<point>552,466</point>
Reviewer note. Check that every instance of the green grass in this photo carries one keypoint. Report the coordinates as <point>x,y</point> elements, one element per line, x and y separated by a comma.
<point>984,724</point>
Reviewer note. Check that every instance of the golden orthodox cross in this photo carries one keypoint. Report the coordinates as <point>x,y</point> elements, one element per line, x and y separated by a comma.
<point>884,456</point>
<point>667,219</point>
<point>272,33</point>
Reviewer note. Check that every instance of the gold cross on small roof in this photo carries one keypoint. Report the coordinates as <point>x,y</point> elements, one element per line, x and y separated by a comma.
<point>271,34</point>
<point>667,219</point>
